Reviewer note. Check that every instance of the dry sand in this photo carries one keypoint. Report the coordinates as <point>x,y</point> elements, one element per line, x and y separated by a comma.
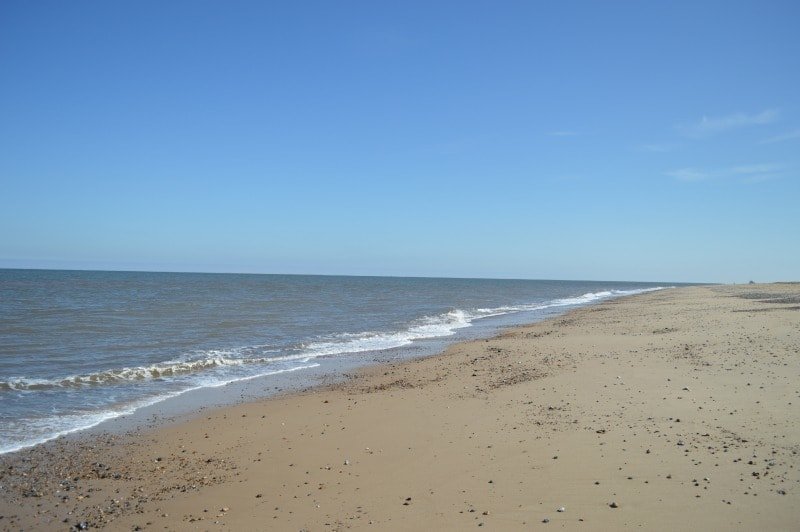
<point>680,406</point>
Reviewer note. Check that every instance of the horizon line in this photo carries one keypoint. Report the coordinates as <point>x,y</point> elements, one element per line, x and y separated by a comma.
<point>101,270</point>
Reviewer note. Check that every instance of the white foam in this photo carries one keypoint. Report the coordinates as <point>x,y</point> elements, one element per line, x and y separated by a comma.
<point>161,370</point>
<point>50,428</point>
<point>427,327</point>
<point>445,325</point>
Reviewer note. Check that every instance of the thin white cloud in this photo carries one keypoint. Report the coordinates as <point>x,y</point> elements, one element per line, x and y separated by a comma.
<point>689,174</point>
<point>758,178</point>
<point>757,173</point>
<point>791,135</point>
<point>708,126</point>
<point>756,169</point>
<point>751,173</point>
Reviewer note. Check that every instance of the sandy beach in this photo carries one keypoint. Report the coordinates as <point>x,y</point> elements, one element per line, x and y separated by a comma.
<point>667,410</point>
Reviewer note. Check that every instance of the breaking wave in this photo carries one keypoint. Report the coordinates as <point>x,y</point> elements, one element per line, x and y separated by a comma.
<point>48,428</point>
<point>163,370</point>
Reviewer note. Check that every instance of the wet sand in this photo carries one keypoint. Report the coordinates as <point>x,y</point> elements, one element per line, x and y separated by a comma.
<point>667,410</point>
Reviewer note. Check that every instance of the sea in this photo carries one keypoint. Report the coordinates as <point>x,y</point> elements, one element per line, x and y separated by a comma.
<point>80,348</point>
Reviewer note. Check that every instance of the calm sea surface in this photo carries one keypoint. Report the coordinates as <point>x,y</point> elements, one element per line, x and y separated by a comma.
<point>78,348</point>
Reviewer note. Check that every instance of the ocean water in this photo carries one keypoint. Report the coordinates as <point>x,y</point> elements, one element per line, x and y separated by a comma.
<point>78,348</point>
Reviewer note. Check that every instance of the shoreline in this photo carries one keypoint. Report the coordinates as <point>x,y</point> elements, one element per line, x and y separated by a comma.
<point>423,335</point>
<point>181,404</point>
<point>471,436</point>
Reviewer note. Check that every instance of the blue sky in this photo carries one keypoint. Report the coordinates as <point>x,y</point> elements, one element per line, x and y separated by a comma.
<point>568,140</point>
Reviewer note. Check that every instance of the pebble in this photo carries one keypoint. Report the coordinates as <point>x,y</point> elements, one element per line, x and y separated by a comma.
<point>545,520</point>
<point>561,509</point>
<point>613,504</point>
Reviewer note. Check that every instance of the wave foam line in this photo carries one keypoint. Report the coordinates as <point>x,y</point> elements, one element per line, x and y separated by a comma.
<point>155,371</point>
<point>446,325</point>
<point>57,426</point>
